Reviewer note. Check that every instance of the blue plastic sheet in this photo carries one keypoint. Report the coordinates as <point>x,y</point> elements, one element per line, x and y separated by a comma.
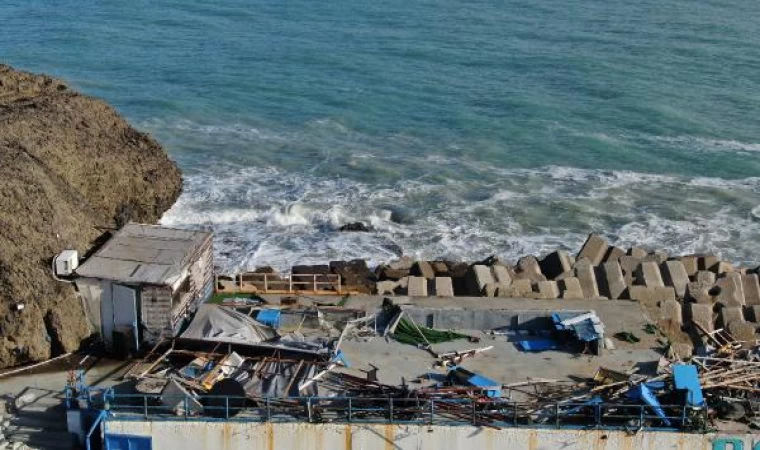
<point>686,378</point>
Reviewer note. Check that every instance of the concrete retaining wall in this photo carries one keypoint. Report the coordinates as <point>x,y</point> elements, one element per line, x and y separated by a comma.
<point>191,435</point>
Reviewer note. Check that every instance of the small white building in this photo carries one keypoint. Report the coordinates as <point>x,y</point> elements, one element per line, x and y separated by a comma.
<point>144,281</point>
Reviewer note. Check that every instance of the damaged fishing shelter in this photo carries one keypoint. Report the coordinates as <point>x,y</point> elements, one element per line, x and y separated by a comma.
<point>143,282</point>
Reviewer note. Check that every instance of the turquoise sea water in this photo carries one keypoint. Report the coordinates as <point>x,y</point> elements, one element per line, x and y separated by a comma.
<point>457,129</point>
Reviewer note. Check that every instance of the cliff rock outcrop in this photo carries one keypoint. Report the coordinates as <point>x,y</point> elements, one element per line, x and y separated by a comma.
<point>70,168</point>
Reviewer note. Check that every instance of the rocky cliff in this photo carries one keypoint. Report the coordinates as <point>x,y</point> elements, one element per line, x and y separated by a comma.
<point>70,168</point>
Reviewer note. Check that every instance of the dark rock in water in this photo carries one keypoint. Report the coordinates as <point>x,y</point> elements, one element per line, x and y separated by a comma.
<point>423,269</point>
<point>264,269</point>
<point>355,275</point>
<point>355,226</point>
<point>389,273</point>
<point>490,261</point>
<point>69,166</point>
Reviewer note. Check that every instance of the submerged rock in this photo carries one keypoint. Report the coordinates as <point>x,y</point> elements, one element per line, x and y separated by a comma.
<point>70,167</point>
<point>355,226</point>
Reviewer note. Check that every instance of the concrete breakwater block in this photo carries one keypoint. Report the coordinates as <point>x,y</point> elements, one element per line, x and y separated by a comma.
<point>671,311</point>
<point>478,277</point>
<point>731,290</point>
<point>648,274</point>
<point>443,287</point>
<point>417,287</point>
<point>637,252</point>
<point>751,286</point>
<point>697,292</point>
<point>706,262</point>
<point>611,282</point>
<point>423,269</point>
<point>502,275</point>
<point>555,263</point>
<point>702,314</point>
<point>730,314</point>
<point>651,294</point>
<point>586,275</point>
<point>570,288</point>
<point>528,268</point>
<point>547,289</point>
<point>613,254</point>
<point>752,313</point>
<point>690,264</point>
<point>594,249</point>
<point>705,276</point>
<point>674,274</point>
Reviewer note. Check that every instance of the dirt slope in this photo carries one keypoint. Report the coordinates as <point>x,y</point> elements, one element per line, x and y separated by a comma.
<point>70,166</point>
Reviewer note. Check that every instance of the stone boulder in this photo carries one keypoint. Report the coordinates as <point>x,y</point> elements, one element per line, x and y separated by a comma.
<point>355,275</point>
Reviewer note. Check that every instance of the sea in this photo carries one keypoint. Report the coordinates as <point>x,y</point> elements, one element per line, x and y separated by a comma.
<point>455,130</point>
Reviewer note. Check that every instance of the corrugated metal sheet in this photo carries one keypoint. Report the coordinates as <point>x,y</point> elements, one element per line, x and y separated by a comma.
<point>144,254</point>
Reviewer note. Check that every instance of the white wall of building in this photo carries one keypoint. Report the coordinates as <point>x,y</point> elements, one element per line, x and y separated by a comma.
<point>192,435</point>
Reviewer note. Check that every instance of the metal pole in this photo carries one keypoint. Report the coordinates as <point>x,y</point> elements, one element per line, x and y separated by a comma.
<point>145,406</point>
<point>474,412</point>
<point>269,410</point>
<point>514,415</point>
<point>290,283</point>
<point>390,404</point>
<point>641,416</point>
<point>266,283</point>
<point>556,414</point>
<point>315,283</point>
<point>350,410</point>
<point>308,408</point>
<point>186,408</point>
<point>340,286</point>
<point>226,407</point>
<point>432,411</point>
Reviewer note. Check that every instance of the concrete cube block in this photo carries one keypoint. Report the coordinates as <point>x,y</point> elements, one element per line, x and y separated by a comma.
<point>423,269</point>
<point>502,274</point>
<point>702,314</point>
<point>651,294</point>
<point>722,267</point>
<point>528,268</point>
<point>594,249</point>
<point>648,274</point>
<point>729,314</point>
<point>705,276</point>
<point>612,283</point>
<point>613,254</point>
<point>548,289</point>
<point>752,313</point>
<point>731,290</point>
<point>417,287</point>
<point>706,262</point>
<point>700,293</point>
<point>690,265</point>
<point>680,350</point>
<point>444,287</point>
<point>637,252</point>
<point>586,275</point>
<point>478,277</point>
<point>570,288</point>
<point>555,263</point>
<point>743,332</point>
<point>751,284</point>
<point>674,274</point>
<point>522,287</point>
<point>671,311</point>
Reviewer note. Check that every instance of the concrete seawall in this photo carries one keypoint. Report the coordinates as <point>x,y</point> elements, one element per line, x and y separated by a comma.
<point>192,435</point>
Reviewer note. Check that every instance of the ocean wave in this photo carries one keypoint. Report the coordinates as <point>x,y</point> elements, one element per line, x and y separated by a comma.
<point>271,216</point>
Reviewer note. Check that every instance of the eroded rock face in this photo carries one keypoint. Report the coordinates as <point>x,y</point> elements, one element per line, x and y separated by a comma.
<point>70,167</point>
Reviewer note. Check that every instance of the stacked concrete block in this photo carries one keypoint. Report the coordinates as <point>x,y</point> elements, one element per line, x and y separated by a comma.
<point>614,254</point>
<point>651,294</point>
<point>555,263</point>
<point>730,314</point>
<point>491,290</point>
<point>637,252</point>
<point>629,264</point>
<point>706,262</point>
<point>586,275</point>
<point>386,287</point>
<point>547,289</point>
<point>743,332</point>
<point>731,291</point>
<point>443,287</point>
<point>570,288</point>
<point>440,268</point>
<point>528,268</point>
<point>751,284</point>
<point>680,350</point>
<point>658,255</point>
<point>417,287</point>
<point>722,267</point>
<point>648,274</point>
<point>478,277</point>
<point>611,282</point>
<point>670,310</point>
<point>594,249</point>
<point>697,292</point>
<point>674,274</point>
<point>522,287</point>
<point>705,277</point>
<point>423,269</point>
<point>690,265</point>
<point>702,315</point>
<point>502,275</point>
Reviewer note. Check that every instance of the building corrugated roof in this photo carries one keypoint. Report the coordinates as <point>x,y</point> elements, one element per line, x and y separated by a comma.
<point>144,254</point>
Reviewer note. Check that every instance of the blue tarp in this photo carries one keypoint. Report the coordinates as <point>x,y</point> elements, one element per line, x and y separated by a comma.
<point>537,345</point>
<point>686,378</point>
<point>460,375</point>
<point>643,393</point>
<point>269,317</point>
<point>583,330</point>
